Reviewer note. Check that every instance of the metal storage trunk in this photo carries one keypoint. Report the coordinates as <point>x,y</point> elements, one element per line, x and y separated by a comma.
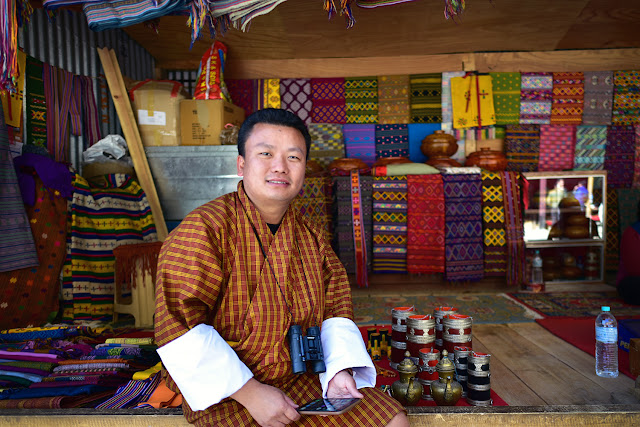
<point>189,176</point>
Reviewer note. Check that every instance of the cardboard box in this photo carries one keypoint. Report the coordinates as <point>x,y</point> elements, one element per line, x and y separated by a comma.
<point>201,120</point>
<point>156,105</point>
<point>627,329</point>
<point>634,356</point>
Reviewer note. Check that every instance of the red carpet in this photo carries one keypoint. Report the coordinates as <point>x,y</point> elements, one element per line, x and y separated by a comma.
<point>581,332</point>
<point>384,363</point>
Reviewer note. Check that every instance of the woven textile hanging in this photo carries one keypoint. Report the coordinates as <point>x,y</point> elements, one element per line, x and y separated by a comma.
<point>361,99</point>
<point>612,248</point>
<point>360,142</point>
<point>506,97</point>
<point>295,96</point>
<point>314,202</point>
<point>598,97</point>
<point>626,97</point>
<point>619,156</point>
<point>327,142</point>
<point>447,109</point>
<point>493,221</point>
<point>425,98</point>
<point>390,224</point>
<point>472,101</point>
<point>536,93</point>
<point>328,101</point>
<point>392,140</point>
<point>557,146</point>
<point>393,99</point>
<point>568,98</point>
<point>522,147</point>
<point>590,147</point>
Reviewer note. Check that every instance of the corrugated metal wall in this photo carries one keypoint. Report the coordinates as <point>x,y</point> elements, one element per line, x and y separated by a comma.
<point>67,42</point>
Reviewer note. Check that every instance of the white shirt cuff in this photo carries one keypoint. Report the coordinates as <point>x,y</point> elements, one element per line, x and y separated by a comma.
<point>343,348</point>
<point>204,366</point>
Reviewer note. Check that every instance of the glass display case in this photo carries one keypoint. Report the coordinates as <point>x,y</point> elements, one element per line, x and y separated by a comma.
<point>564,218</point>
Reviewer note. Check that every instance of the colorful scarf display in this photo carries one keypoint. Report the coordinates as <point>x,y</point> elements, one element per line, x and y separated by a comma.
<point>612,246</point>
<point>619,156</point>
<point>425,224</point>
<point>393,99</point>
<point>522,147</point>
<point>506,97</point>
<point>590,147</point>
<point>472,101</point>
<point>122,13</point>
<point>598,97</point>
<point>626,97</point>
<point>390,224</point>
<point>568,98</point>
<point>493,224</point>
<point>329,105</point>
<point>447,109</point>
<point>327,142</point>
<point>266,94</point>
<point>12,101</point>
<point>101,218</point>
<point>464,258</point>
<point>17,247</point>
<point>392,140</point>
<point>295,96</point>
<point>536,93</point>
<point>425,98</point>
<point>360,142</point>
<point>314,201</point>
<point>241,92</point>
<point>557,146</point>
<point>361,99</point>
<point>514,228</point>
<point>417,133</point>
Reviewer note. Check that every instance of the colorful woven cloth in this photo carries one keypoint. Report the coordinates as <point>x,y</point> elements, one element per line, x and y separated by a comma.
<point>361,99</point>
<point>590,147</point>
<point>536,93</point>
<point>266,94</point>
<point>392,141</point>
<point>627,207</point>
<point>390,224</point>
<point>105,15</point>
<point>393,99</point>
<point>557,146</point>
<point>568,98</point>
<point>314,201</point>
<point>241,92</point>
<point>425,224</point>
<point>360,142</point>
<point>327,142</point>
<point>447,109</point>
<point>626,97</point>
<point>295,96</point>
<point>514,226</point>
<point>425,98</point>
<point>343,242</point>
<point>417,133</point>
<point>17,247</point>
<point>131,393</point>
<point>619,156</point>
<point>612,248</point>
<point>464,258</point>
<point>506,97</point>
<point>598,97</point>
<point>472,101</point>
<point>101,218</point>
<point>522,146</point>
<point>329,104</point>
<point>36,119</point>
<point>493,224</point>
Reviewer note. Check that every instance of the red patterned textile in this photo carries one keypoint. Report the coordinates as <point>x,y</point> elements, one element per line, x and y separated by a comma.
<point>557,147</point>
<point>425,222</point>
<point>568,98</point>
<point>329,104</point>
<point>514,227</point>
<point>241,91</point>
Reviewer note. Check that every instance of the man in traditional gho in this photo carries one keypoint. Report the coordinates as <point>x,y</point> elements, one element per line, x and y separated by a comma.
<point>236,274</point>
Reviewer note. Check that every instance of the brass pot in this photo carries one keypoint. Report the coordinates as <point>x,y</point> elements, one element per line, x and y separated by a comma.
<point>439,147</point>
<point>578,220</point>
<point>407,390</point>
<point>487,159</point>
<point>446,391</point>
<point>576,232</point>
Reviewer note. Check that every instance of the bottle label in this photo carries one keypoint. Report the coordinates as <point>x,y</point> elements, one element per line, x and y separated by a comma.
<point>606,335</point>
<point>536,263</point>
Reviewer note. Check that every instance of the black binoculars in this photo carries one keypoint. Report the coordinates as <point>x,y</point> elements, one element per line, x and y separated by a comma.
<point>306,349</point>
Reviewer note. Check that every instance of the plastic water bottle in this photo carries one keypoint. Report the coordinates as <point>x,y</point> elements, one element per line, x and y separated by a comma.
<point>536,282</point>
<point>606,344</point>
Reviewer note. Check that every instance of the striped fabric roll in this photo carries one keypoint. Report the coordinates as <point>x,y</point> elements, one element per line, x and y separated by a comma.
<point>626,97</point>
<point>389,224</point>
<point>131,393</point>
<point>447,109</point>
<point>568,98</point>
<point>619,156</point>
<point>493,221</point>
<point>522,147</point>
<point>328,99</point>
<point>327,142</point>
<point>295,96</point>
<point>536,93</point>
<point>598,97</point>
<point>393,99</point>
<point>392,140</point>
<point>590,147</point>
<point>360,142</point>
<point>506,97</point>
<point>425,98</point>
<point>361,99</point>
<point>557,147</point>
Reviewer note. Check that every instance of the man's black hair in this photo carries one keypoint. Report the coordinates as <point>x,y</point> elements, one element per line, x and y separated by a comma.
<point>272,116</point>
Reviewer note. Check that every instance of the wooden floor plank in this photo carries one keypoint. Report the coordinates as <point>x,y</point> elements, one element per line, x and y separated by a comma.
<point>573,357</point>
<point>505,383</point>
<point>548,376</point>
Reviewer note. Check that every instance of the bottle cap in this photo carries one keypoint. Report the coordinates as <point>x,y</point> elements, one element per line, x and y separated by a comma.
<point>605,308</point>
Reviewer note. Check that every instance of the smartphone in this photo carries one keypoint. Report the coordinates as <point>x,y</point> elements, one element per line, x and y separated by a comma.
<point>328,406</point>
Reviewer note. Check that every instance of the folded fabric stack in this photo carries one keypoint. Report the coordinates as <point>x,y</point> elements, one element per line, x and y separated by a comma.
<point>390,224</point>
<point>343,242</point>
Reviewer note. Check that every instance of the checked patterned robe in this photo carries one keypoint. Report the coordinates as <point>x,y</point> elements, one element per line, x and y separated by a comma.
<point>211,270</point>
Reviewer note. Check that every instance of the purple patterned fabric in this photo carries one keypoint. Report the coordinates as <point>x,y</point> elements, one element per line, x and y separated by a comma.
<point>619,156</point>
<point>557,147</point>
<point>360,142</point>
<point>295,96</point>
<point>536,94</point>
<point>392,140</point>
<point>329,104</point>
